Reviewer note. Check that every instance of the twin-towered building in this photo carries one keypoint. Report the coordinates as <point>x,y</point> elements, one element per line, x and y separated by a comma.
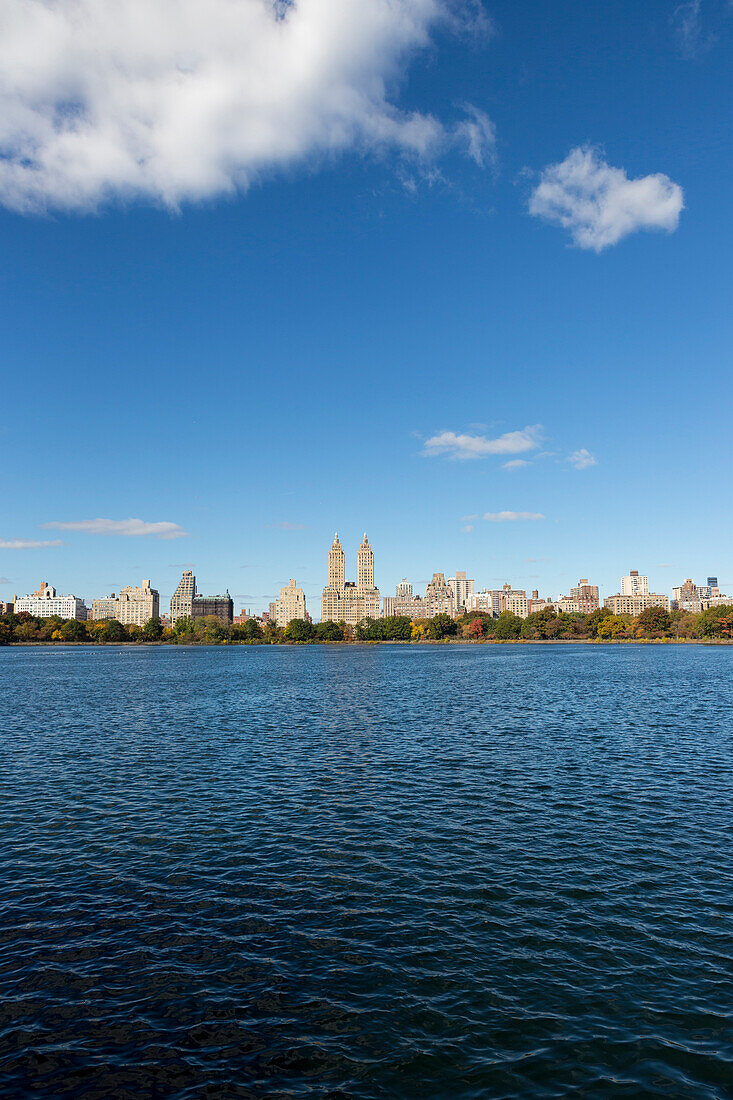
<point>345,601</point>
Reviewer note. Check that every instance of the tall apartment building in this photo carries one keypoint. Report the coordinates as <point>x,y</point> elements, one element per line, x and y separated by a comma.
<point>403,603</point>
<point>221,607</point>
<point>105,608</point>
<point>135,606</point>
<point>461,587</point>
<point>634,605</point>
<point>698,597</point>
<point>181,600</point>
<point>634,585</point>
<point>492,601</point>
<point>439,598</point>
<point>45,603</point>
<point>582,599</point>
<point>346,601</point>
<point>290,604</point>
<point>488,601</point>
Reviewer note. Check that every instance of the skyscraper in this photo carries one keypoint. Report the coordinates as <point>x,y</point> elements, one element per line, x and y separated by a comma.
<point>182,598</point>
<point>344,601</point>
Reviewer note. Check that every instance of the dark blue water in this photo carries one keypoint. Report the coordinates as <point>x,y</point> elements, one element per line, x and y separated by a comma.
<point>366,871</point>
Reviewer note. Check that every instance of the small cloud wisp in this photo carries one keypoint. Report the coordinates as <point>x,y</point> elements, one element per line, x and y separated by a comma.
<point>130,528</point>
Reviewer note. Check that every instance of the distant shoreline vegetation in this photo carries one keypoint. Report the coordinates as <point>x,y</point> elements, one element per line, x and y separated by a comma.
<point>653,624</point>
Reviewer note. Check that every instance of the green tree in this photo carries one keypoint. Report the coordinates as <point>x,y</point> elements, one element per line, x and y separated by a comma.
<point>611,626</point>
<point>73,631</point>
<point>329,632</point>
<point>653,620</point>
<point>26,631</point>
<point>6,633</point>
<point>152,629</point>
<point>716,622</point>
<point>441,626</point>
<point>183,626</point>
<point>594,620</point>
<point>300,630</point>
<point>248,631</point>
<point>114,631</point>
<point>508,626</point>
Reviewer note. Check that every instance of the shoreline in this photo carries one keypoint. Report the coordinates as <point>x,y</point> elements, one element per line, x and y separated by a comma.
<point>423,642</point>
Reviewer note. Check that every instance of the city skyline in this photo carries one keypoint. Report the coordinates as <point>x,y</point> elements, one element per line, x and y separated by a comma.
<point>351,602</point>
<point>512,304</point>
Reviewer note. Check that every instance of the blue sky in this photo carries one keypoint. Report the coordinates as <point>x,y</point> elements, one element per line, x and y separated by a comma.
<point>261,354</point>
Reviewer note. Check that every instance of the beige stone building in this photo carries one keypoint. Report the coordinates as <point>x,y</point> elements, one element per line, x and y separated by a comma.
<point>346,601</point>
<point>137,605</point>
<point>439,598</point>
<point>182,598</point>
<point>105,608</point>
<point>290,604</point>
<point>634,605</point>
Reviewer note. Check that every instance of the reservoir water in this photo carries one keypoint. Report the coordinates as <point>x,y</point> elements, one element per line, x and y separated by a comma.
<point>386,871</point>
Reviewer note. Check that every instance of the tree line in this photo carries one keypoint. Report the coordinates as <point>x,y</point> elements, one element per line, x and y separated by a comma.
<point>653,623</point>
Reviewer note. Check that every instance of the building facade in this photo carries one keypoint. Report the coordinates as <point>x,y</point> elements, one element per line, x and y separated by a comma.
<point>634,605</point>
<point>634,585</point>
<point>346,601</point>
<point>462,587</point>
<point>105,608</point>
<point>290,604</point>
<point>438,598</point>
<point>136,606</point>
<point>45,603</point>
<point>221,607</point>
<point>698,597</point>
<point>181,600</point>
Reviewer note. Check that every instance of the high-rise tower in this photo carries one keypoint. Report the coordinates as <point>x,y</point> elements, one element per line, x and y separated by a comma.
<point>182,598</point>
<point>336,564</point>
<point>344,601</point>
<point>365,565</point>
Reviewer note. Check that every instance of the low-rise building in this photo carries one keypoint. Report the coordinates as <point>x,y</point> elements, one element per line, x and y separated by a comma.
<point>137,605</point>
<point>46,603</point>
<point>222,607</point>
<point>290,604</point>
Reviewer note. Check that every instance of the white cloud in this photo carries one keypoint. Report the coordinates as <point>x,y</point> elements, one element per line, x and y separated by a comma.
<point>27,544</point>
<point>129,527</point>
<point>457,445</point>
<point>599,204</point>
<point>511,517</point>
<point>479,134</point>
<point>467,529</point>
<point>582,459</point>
<point>181,100</point>
<point>687,26</point>
<point>5,580</point>
<point>515,464</point>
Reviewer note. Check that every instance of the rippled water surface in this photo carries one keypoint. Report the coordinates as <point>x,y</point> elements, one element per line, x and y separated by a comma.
<point>366,871</point>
